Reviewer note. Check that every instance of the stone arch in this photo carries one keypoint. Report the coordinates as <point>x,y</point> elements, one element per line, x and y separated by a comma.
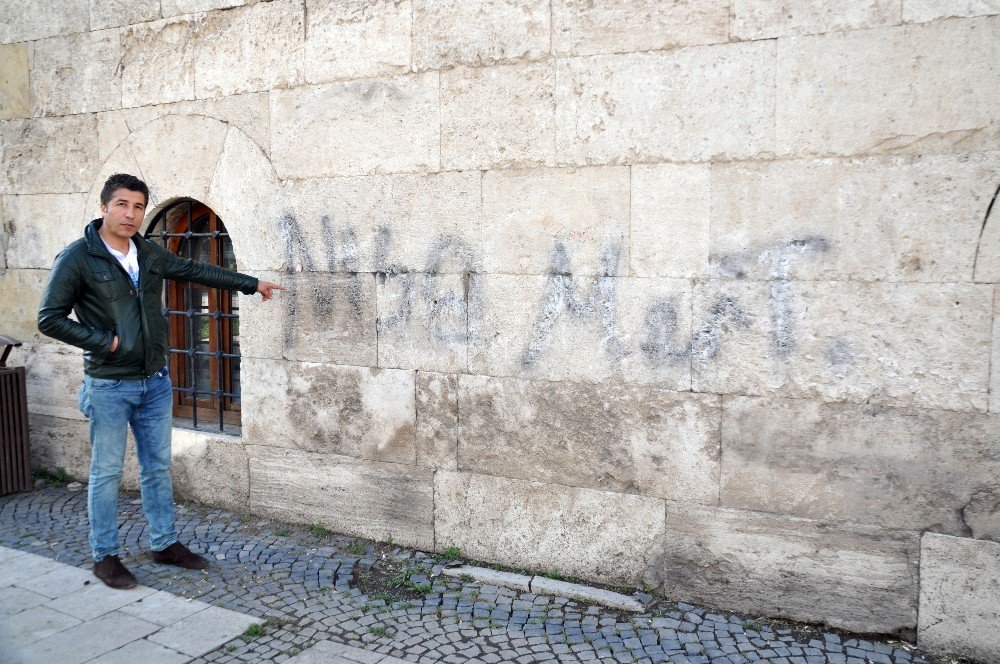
<point>195,156</point>
<point>987,264</point>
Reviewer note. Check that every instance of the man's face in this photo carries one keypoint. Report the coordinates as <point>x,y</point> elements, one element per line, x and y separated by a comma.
<point>123,213</point>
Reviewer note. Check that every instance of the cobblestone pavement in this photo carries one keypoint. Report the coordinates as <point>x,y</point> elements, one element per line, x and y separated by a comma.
<point>300,581</point>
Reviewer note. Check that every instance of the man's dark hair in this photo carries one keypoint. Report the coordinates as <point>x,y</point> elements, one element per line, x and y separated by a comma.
<point>123,181</point>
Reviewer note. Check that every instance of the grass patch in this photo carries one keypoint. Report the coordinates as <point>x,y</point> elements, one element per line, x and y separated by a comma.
<point>253,631</point>
<point>380,630</point>
<point>282,532</point>
<point>57,479</point>
<point>319,530</point>
<point>356,548</point>
<point>452,552</point>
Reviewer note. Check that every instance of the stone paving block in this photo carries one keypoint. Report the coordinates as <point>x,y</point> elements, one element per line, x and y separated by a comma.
<point>143,651</point>
<point>59,582</point>
<point>14,88</point>
<point>490,576</point>
<point>204,631</point>
<point>545,586</point>
<point>960,596</point>
<point>163,608</point>
<point>7,553</point>
<point>98,599</point>
<point>14,599</point>
<point>34,624</point>
<point>612,26</point>
<point>24,567</point>
<point>893,99</point>
<point>604,104</point>
<point>88,640</point>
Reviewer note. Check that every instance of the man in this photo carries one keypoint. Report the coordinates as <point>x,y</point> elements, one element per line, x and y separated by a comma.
<point>113,280</point>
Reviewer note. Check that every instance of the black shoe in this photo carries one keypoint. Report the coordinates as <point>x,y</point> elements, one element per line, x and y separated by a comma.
<point>110,570</point>
<point>180,555</point>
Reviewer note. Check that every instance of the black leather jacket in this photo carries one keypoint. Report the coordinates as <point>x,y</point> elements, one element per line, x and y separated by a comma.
<point>88,280</point>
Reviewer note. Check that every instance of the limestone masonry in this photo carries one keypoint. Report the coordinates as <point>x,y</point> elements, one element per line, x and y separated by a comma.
<point>699,295</point>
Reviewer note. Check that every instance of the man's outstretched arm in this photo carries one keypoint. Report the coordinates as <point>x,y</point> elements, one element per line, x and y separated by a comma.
<point>213,276</point>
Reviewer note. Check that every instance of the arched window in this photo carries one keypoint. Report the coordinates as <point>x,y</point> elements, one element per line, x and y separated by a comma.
<point>204,322</point>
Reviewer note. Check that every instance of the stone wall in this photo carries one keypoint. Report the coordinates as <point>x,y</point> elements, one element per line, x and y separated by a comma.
<point>700,295</point>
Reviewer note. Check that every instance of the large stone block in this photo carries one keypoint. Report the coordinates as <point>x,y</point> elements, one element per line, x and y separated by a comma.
<point>351,411</point>
<point>437,420</point>
<point>921,11</point>
<point>212,469</point>
<point>249,49</point>
<point>175,7</point>
<point>29,21</point>
<point>48,155</point>
<point>365,499</point>
<point>60,443</point>
<point>919,89</point>
<point>448,32</point>
<point>14,94</point>
<point>987,263</point>
<point>694,104</point>
<point>556,221</point>
<point>924,345</point>
<point>77,73</point>
<point>880,218</point>
<point>20,296</point>
<point>54,373</point>
<point>671,208</point>
<point>39,226</point>
<point>853,578</point>
<point>356,39</point>
<point>757,20</point>
<point>982,514</point>
<point>586,27</point>
<point>960,597</point>
<point>613,537</point>
<point>163,47</point>
<point>498,117</point>
<point>995,361</point>
<point>427,223</point>
<point>115,13</point>
<point>359,128</point>
<point>619,438</point>
<point>321,317</point>
<point>589,329</point>
<point>895,468</point>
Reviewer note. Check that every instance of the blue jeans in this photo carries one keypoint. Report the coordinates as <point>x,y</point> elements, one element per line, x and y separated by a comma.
<point>146,405</point>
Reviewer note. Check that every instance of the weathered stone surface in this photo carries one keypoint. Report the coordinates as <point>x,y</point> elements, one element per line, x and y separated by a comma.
<point>585,27</point>
<point>39,226</point>
<point>48,155</point>
<point>914,91</point>
<point>364,127</point>
<point>995,361</point>
<point>20,295</point>
<point>115,13</point>
<point>366,499</point>
<point>14,94</point>
<point>60,443</point>
<point>960,596</point>
<point>589,329</point>
<point>448,32</point>
<point>210,468</point>
<point>853,578</point>
<point>922,345</point>
<point>28,21</point>
<point>175,7</point>
<point>351,411</point>
<point>356,39</point>
<point>498,117</point>
<point>122,160</point>
<point>246,194</point>
<point>624,439</point>
<point>895,468</point>
<point>592,534</point>
<point>920,11</point>
<point>437,420</point>
<point>866,219</point>
<point>666,106</point>
<point>556,221</point>
<point>987,264</point>
<point>321,317</point>
<point>756,20</point>
<point>486,575</point>
<point>163,47</point>
<point>54,372</point>
<point>249,49</point>
<point>541,585</point>
<point>423,321</point>
<point>177,157</point>
<point>982,514</point>
<point>671,206</point>
<point>385,223</point>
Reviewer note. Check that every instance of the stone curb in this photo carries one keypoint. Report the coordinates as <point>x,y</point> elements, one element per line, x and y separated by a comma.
<point>544,586</point>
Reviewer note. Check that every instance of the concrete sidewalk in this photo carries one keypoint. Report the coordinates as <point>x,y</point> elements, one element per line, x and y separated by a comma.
<point>306,587</point>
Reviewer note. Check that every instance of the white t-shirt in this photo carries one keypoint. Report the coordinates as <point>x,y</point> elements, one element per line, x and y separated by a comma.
<point>129,261</point>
